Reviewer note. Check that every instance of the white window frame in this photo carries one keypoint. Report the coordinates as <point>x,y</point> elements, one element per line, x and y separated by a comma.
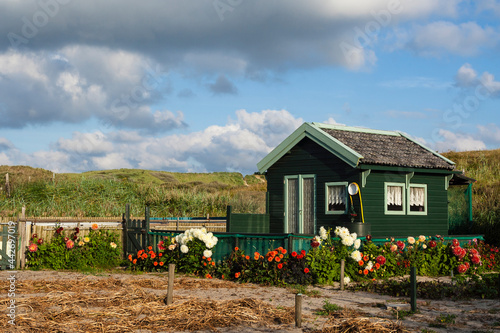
<point>335,212</point>
<point>403,199</point>
<point>409,201</point>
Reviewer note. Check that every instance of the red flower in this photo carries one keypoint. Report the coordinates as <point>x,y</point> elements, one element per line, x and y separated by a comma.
<point>314,244</point>
<point>306,270</point>
<point>361,263</point>
<point>368,237</point>
<point>237,275</point>
<point>462,268</point>
<point>77,230</point>
<point>236,249</point>
<point>303,252</point>
<point>33,247</point>
<point>400,245</point>
<point>155,263</point>
<point>365,272</point>
<point>280,266</point>
<point>247,257</point>
<point>70,244</point>
<point>294,254</point>
<point>34,236</point>
<point>365,258</point>
<point>300,256</point>
<point>476,259</point>
<point>455,242</point>
<point>40,241</point>
<point>380,260</point>
<point>432,243</point>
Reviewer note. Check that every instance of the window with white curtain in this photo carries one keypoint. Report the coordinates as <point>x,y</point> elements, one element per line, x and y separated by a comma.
<point>394,198</point>
<point>336,197</point>
<point>417,202</point>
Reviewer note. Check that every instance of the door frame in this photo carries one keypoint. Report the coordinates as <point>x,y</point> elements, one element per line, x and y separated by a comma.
<point>300,200</point>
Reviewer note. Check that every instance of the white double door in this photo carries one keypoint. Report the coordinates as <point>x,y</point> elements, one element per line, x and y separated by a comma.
<point>300,204</point>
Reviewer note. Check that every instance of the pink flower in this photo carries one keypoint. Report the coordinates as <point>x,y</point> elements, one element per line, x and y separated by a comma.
<point>394,248</point>
<point>70,244</point>
<point>160,246</point>
<point>455,242</point>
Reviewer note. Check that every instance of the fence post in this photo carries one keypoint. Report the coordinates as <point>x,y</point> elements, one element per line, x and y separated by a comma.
<point>413,290</point>
<point>126,221</point>
<point>177,224</point>
<point>342,268</point>
<point>7,185</point>
<point>228,219</point>
<point>298,310</point>
<point>146,217</point>
<point>290,243</point>
<point>170,287</point>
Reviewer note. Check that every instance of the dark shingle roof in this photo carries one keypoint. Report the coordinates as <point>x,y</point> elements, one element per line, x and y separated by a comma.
<point>391,150</point>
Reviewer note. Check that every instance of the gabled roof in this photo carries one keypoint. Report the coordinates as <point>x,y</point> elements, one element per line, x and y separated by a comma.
<point>358,146</point>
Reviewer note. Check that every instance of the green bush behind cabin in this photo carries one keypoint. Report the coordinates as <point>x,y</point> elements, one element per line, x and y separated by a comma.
<point>484,166</point>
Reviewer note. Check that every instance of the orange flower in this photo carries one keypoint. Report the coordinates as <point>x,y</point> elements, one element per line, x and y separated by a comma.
<point>247,257</point>
<point>208,276</point>
<point>261,257</point>
<point>365,272</point>
<point>155,263</point>
<point>150,248</point>
<point>161,263</point>
<point>134,261</point>
<point>130,257</point>
<point>203,258</point>
<point>361,263</point>
<point>153,255</point>
<point>283,251</point>
<point>236,249</point>
<point>278,259</point>
<point>160,254</point>
<point>360,272</point>
<point>270,259</point>
<point>280,249</point>
<point>256,254</point>
<point>280,266</point>
<point>144,256</point>
<point>209,259</point>
<point>140,252</point>
<point>213,263</point>
<point>237,275</point>
<point>371,269</point>
<point>373,279</point>
<point>243,256</point>
<point>256,258</point>
<point>377,265</point>
<point>204,264</point>
<point>94,226</point>
<point>365,258</point>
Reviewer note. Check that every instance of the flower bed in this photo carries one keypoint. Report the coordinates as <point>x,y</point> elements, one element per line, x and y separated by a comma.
<point>364,260</point>
<point>69,250</point>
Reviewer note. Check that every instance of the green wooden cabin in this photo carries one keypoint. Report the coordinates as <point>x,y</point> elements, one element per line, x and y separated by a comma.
<point>401,185</point>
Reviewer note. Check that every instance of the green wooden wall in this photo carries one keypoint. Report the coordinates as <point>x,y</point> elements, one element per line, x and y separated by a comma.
<point>307,157</point>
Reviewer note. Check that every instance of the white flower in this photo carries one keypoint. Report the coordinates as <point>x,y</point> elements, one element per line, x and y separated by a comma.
<point>184,248</point>
<point>354,235</point>
<point>356,255</point>
<point>411,240</point>
<point>369,265</point>
<point>357,244</point>
<point>347,280</point>
<point>424,246</point>
<point>421,238</point>
<point>207,253</point>
<point>322,233</point>
<point>347,240</point>
<point>113,245</point>
<point>171,247</point>
<point>317,239</point>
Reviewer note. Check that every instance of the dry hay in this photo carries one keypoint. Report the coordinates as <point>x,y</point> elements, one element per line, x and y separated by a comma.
<point>82,306</point>
<point>348,320</point>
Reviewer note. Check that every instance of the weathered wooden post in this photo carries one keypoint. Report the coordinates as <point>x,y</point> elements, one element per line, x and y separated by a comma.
<point>170,288</point>
<point>413,290</point>
<point>342,268</point>
<point>298,310</point>
<point>228,219</point>
<point>7,185</point>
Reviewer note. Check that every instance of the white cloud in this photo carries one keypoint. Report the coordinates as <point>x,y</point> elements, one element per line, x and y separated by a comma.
<point>440,38</point>
<point>484,86</point>
<point>405,114</point>
<point>332,121</point>
<point>86,144</point>
<point>490,133</point>
<point>451,141</point>
<point>112,161</point>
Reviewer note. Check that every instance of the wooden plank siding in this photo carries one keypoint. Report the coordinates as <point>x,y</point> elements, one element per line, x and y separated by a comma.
<point>307,157</point>
<point>382,225</point>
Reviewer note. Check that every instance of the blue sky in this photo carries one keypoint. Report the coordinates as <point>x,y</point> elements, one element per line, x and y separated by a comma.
<point>215,85</point>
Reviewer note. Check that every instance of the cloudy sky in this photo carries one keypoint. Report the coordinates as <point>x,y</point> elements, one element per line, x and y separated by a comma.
<point>214,85</point>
